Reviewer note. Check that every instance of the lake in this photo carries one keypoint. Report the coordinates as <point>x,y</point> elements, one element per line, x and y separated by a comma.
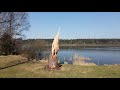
<point>99,56</point>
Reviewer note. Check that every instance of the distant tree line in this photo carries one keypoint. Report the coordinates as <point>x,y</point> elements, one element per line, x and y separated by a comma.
<point>91,41</point>
<point>79,41</point>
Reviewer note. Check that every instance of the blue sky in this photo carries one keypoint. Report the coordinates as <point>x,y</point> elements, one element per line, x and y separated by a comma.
<point>74,25</point>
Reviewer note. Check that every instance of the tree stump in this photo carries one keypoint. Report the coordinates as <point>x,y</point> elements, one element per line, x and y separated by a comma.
<point>53,63</point>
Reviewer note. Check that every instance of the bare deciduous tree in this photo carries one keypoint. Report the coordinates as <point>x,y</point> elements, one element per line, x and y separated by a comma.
<point>13,23</point>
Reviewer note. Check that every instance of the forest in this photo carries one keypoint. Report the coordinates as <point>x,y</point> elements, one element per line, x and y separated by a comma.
<point>68,42</point>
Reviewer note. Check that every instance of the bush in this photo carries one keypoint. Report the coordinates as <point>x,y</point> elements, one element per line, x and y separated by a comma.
<point>34,50</point>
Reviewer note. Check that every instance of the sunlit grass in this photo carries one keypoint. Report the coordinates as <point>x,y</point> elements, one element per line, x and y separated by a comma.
<point>35,69</point>
<point>11,60</point>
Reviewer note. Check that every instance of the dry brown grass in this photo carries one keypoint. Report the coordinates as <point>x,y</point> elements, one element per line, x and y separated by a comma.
<point>80,60</point>
<point>11,60</point>
<point>35,69</point>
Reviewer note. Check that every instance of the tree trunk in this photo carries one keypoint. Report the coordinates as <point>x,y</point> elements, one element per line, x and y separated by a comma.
<point>53,63</point>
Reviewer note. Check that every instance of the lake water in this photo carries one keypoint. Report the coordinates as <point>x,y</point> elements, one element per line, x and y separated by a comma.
<point>99,56</point>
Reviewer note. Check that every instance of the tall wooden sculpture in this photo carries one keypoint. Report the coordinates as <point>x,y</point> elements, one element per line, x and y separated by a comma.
<point>53,60</point>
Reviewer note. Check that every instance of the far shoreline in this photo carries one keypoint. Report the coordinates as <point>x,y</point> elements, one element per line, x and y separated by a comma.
<point>85,46</point>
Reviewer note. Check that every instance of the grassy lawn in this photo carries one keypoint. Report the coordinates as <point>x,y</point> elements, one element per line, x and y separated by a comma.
<point>35,69</point>
<point>10,60</point>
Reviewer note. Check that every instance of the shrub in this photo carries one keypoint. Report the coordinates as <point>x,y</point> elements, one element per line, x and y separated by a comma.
<point>34,50</point>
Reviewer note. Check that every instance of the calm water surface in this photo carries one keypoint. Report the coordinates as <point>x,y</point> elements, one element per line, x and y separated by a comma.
<point>99,56</point>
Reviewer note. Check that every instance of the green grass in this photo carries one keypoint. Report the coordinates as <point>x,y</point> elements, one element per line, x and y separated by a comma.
<point>35,69</point>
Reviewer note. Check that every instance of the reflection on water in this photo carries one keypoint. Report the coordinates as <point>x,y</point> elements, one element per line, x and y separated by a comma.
<point>99,56</point>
